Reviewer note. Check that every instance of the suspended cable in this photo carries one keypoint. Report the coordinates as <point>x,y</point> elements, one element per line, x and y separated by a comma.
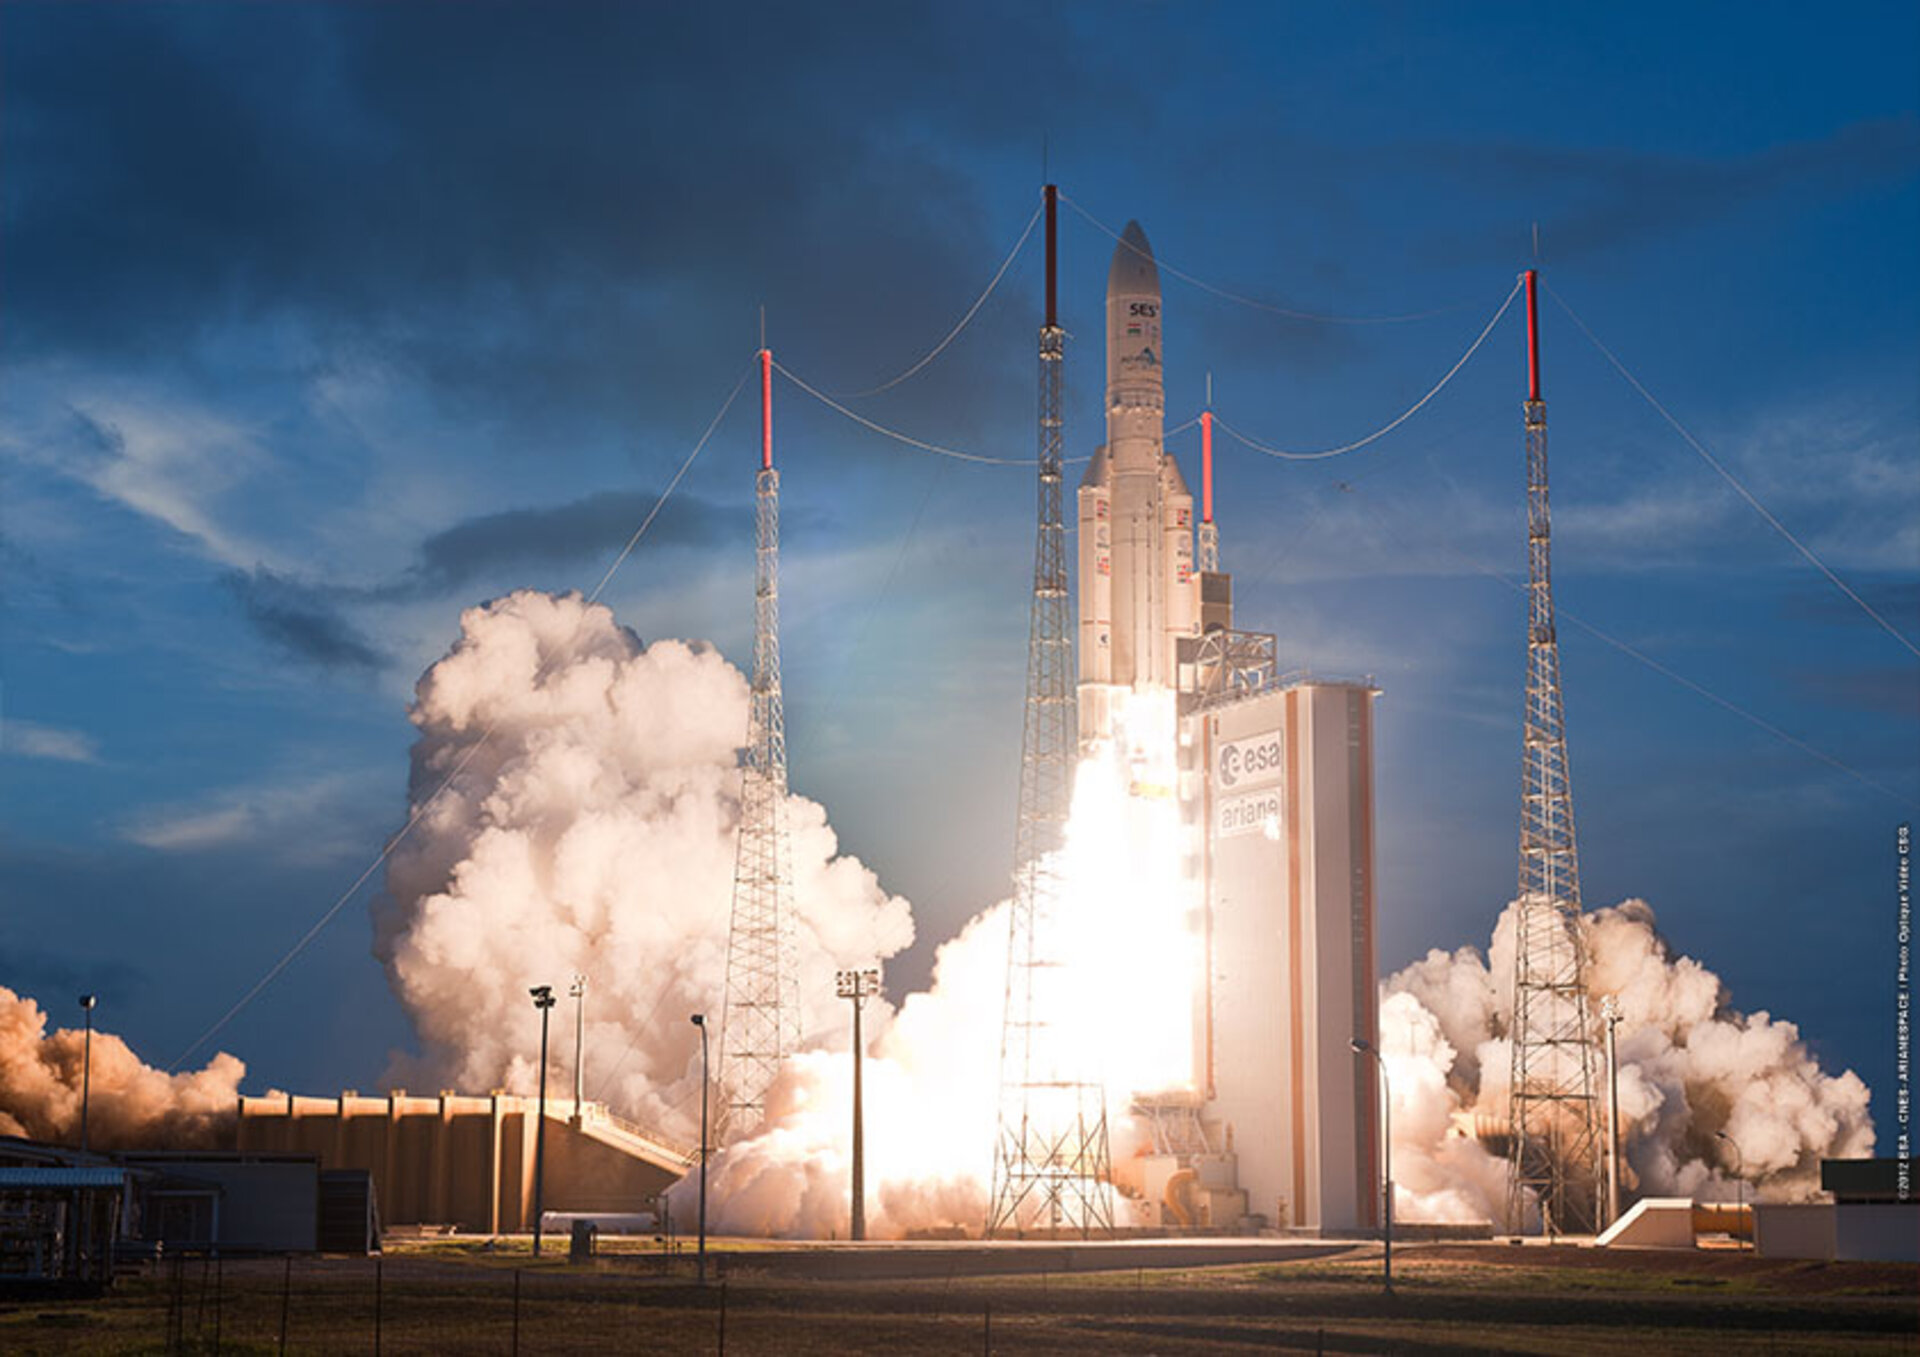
<point>895,434</point>
<point>1377,434</point>
<point>1731,479</point>
<point>459,767</point>
<point>1255,302</point>
<point>954,333</point>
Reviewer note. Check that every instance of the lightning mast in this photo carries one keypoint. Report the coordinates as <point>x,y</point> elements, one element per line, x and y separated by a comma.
<point>1209,562</point>
<point>1555,1147</point>
<point>1051,1167</point>
<point>761,1024</point>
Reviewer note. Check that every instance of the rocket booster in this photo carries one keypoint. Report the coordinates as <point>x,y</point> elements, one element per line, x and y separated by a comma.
<point>1137,590</point>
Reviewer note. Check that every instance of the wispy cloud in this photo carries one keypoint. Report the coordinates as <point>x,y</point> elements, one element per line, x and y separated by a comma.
<point>171,463</point>
<point>305,820</point>
<point>31,740</point>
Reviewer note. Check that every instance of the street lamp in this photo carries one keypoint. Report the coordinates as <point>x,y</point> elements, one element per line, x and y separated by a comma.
<point>1739,1178</point>
<point>543,1000</point>
<point>699,1020</point>
<point>1362,1046</point>
<point>579,993</point>
<point>87,1001</point>
<point>857,986</point>
<point>1610,1014</point>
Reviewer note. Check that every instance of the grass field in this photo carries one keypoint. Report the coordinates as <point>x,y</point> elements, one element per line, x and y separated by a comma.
<point>1453,1298</point>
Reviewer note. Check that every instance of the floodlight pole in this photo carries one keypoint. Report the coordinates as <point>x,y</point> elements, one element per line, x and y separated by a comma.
<point>579,993</point>
<point>87,1001</point>
<point>699,1020</point>
<point>1739,1177</point>
<point>1364,1047</point>
<point>1610,1014</point>
<point>544,1001</point>
<point>857,986</point>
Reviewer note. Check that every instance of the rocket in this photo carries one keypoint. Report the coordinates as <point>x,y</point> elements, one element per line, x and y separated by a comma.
<point>1137,589</point>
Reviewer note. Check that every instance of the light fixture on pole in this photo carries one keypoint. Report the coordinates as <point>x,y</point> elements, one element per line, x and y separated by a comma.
<point>858,986</point>
<point>1610,1014</point>
<point>579,993</point>
<point>699,1020</point>
<point>1362,1046</point>
<point>543,1000</point>
<point>87,1001</point>
<point>1739,1178</point>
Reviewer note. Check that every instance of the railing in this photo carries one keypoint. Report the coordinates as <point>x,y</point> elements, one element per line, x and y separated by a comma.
<point>688,1155</point>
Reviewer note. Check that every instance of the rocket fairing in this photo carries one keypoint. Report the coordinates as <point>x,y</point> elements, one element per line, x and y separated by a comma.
<point>1136,581</point>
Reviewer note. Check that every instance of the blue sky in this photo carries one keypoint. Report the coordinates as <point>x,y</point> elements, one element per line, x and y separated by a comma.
<point>321,323</point>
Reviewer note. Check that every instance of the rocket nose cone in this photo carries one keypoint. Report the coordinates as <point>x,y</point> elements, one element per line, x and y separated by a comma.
<point>1133,271</point>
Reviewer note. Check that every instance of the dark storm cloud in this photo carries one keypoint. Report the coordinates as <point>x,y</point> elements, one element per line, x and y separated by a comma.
<point>301,620</point>
<point>558,204</point>
<point>56,981</point>
<point>1896,600</point>
<point>1610,198</point>
<point>588,529</point>
<point>1882,691</point>
<point>309,619</point>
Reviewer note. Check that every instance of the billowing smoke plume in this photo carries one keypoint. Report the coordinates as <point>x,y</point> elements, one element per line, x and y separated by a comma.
<point>1690,1066</point>
<point>587,827</point>
<point>131,1105</point>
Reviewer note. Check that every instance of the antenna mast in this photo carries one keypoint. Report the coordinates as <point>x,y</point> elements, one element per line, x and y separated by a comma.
<point>1556,1150</point>
<point>761,1025</point>
<point>1050,1167</point>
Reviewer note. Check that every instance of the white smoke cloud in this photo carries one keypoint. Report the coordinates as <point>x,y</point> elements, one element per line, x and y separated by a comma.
<point>130,1105</point>
<point>588,826</point>
<point>1690,1066</point>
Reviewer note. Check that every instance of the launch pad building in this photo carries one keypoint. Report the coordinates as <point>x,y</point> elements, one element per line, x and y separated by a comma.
<point>1277,783</point>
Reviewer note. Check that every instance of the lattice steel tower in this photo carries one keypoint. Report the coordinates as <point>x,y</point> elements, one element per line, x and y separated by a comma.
<point>1555,1144</point>
<point>761,1025</point>
<point>1050,1167</point>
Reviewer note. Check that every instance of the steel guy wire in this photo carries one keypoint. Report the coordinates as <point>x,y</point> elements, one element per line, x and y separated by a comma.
<point>965,320</point>
<point>1380,433</point>
<point>1255,302</point>
<point>414,817</point>
<point>1730,478</point>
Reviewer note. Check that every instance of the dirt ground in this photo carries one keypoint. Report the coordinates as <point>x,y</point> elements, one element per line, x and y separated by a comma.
<point>466,1296</point>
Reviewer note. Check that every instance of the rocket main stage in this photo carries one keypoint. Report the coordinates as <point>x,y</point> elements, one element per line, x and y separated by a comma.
<point>1137,589</point>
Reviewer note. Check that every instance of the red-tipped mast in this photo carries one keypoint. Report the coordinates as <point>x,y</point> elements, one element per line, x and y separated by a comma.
<point>1206,466</point>
<point>1533,341</point>
<point>766,409</point>
<point>1052,195</point>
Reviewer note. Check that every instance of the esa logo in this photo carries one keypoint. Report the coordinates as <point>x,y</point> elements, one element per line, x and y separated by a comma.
<point>1148,309</point>
<point>1250,761</point>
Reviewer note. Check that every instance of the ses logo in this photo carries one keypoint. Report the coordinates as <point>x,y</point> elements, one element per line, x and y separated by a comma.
<point>1148,309</point>
<point>1249,762</point>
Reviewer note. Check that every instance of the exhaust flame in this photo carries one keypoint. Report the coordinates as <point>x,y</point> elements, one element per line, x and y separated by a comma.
<point>1115,1005</point>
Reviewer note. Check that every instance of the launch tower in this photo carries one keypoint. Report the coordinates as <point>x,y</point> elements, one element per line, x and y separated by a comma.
<point>1050,1167</point>
<point>1556,1151</point>
<point>761,1026</point>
